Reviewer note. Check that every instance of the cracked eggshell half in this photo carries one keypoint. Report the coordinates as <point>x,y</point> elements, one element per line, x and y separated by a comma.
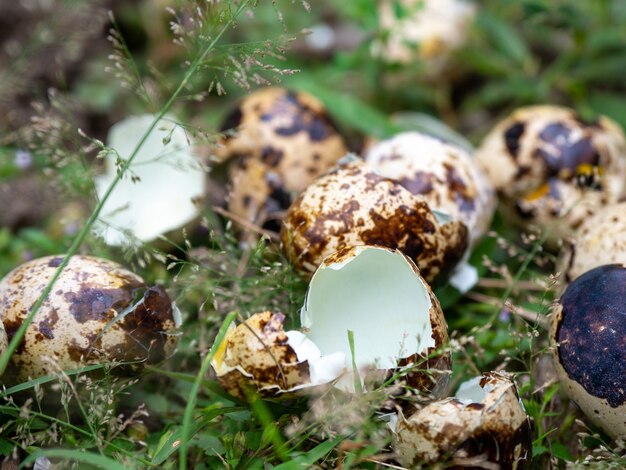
<point>588,336</point>
<point>161,190</point>
<point>348,292</point>
<point>426,30</point>
<point>97,312</point>
<point>283,140</point>
<point>552,167</point>
<point>445,175</point>
<point>485,418</point>
<point>353,205</point>
<point>601,239</point>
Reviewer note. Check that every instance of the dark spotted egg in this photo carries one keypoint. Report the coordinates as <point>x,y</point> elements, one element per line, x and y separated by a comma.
<point>588,335</point>
<point>552,168</point>
<point>97,312</point>
<point>281,141</point>
<point>353,205</point>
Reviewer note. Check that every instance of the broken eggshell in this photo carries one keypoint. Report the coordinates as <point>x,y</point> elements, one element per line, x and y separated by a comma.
<point>588,336</point>
<point>445,175</point>
<point>485,422</point>
<point>347,293</point>
<point>97,312</point>
<point>159,192</point>
<point>553,169</point>
<point>284,140</point>
<point>600,240</point>
<point>352,205</point>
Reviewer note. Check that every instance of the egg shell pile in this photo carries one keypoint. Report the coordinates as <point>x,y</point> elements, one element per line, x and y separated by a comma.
<point>553,169</point>
<point>589,337</point>
<point>352,205</point>
<point>445,175</point>
<point>97,312</point>
<point>283,141</point>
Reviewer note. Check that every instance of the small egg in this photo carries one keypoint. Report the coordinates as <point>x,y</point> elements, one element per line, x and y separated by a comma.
<point>283,141</point>
<point>601,239</point>
<point>96,312</point>
<point>353,205</point>
<point>347,293</point>
<point>588,335</point>
<point>552,169</point>
<point>422,30</point>
<point>485,423</point>
<point>445,175</point>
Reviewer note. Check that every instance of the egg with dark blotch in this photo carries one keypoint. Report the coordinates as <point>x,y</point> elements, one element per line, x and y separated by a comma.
<point>445,175</point>
<point>601,239</point>
<point>97,312</point>
<point>553,169</point>
<point>352,205</point>
<point>588,335</point>
<point>485,424</point>
<point>278,142</point>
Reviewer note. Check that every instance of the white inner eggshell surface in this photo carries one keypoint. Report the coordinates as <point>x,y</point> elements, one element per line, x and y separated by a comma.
<point>377,295</point>
<point>170,178</point>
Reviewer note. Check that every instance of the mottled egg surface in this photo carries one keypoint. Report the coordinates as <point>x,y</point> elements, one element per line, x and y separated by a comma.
<point>552,168</point>
<point>445,175</point>
<point>97,312</point>
<point>589,331</point>
<point>601,239</point>
<point>352,205</point>
<point>283,140</point>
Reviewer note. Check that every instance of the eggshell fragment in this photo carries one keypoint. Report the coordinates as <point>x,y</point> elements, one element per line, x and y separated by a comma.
<point>484,423</point>
<point>601,239</point>
<point>552,169</point>
<point>347,293</point>
<point>445,175</point>
<point>589,337</point>
<point>352,205</point>
<point>97,312</point>
<point>159,192</point>
<point>283,141</point>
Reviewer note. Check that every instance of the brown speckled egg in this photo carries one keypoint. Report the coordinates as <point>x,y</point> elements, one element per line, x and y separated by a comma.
<point>352,205</point>
<point>97,312</point>
<point>601,239</point>
<point>445,175</point>
<point>552,168</point>
<point>485,422</point>
<point>588,335</point>
<point>283,141</point>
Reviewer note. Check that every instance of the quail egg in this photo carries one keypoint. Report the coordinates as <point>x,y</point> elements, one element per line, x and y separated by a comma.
<point>588,335</point>
<point>283,141</point>
<point>347,293</point>
<point>601,239</point>
<point>553,169</point>
<point>445,175</point>
<point>97,312</point>
<point>426,30</point>
<point>485,424</point>
<point>353,205</point>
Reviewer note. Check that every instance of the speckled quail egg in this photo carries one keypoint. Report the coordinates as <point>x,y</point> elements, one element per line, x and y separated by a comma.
<point>485,423</point>
<point>553,169</point>
<point>589,337</point>
<point>283,141</point>
<point>445,175</point>
<point>347,293</point>
<point>427,30</point>
<point>97,312</point>
<point>601,239</point>
<point>353,205</point>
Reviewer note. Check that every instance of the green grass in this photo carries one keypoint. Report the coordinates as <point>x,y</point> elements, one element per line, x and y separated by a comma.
<point>176,415</point>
